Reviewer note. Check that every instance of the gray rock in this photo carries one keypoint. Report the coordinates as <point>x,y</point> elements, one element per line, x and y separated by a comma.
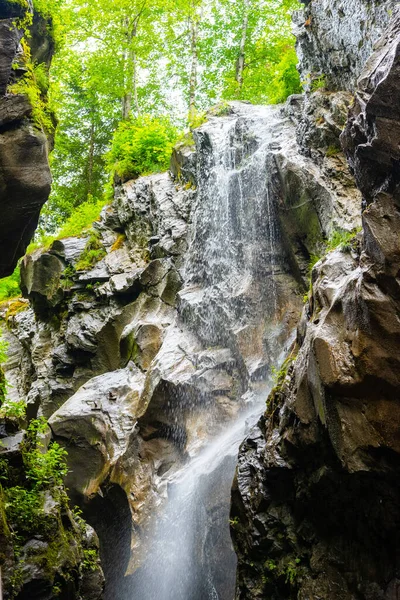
<point>125,283</point>
<point>11,446</point>
<point>24,187</point>
<point>336,37</point>
<point>14,108</point>
<point>41,279</point>
<point>95,425</point>
<point>69,249</point>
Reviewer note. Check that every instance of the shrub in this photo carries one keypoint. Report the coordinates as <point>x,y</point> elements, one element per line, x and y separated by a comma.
<point>23,509</point>
<point>141,146</point>
<point>13,409</point>
<point>43,470</point>
<point>81,219</point>
<point>77,224</point>
<point>9,286</point>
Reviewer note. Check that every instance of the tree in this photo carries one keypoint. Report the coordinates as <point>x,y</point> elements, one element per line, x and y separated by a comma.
<point>125,58</point>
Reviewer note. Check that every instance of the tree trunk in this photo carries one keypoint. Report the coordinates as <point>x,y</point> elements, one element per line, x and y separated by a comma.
<point>90,161</point>
<point>134,70</point>
<point>240,63</point>
<point>131,65</point>
<point>194,34</point>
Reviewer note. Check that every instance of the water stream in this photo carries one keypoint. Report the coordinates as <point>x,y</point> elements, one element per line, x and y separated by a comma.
<point>229,289</point>
<point>180,564</point>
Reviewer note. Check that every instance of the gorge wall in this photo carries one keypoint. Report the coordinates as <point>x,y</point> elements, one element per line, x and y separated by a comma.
<point>24,169</point>
<point>315,508</point>
<point>139,356</point>
<point>155,329</point>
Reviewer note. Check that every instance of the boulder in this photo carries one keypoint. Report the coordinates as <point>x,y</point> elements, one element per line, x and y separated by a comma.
<point>95,425</point>
<point>41,279</point>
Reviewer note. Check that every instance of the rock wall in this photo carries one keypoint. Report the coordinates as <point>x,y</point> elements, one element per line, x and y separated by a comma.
<point>139,356</point>
<point>316,499</point>
<point>335,38</point>
<point>24,170</point>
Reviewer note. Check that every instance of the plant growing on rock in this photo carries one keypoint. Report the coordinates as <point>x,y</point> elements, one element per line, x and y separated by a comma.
<point>93,252</point>
<point>319,83</point>
<point>9,286</point>
<point>141,146</point>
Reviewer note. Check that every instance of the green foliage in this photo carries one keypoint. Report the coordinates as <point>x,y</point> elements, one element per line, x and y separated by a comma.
<point>34,85</point>
<point>82,219</point>
<point>319,83</point>
<point>23,510</point>
<point>339,240</point>
<point>90,559</point>
<point>129,57</point>
<point>141,146</point>
<point>287,568</point>
<point>9,286</point>
<point>43,469</point>
<point>332,151</point>
<point>314,258</point>
<point>197,119</point>
<point>234,522</point>
<point>279,373</point>
<point>93,252</point>
<point>14,410</point>
<point>46,468</point>
<point>78,224</point>
<point>3,349</point>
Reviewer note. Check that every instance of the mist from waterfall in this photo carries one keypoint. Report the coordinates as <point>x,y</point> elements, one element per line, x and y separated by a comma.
<point>229,285</point>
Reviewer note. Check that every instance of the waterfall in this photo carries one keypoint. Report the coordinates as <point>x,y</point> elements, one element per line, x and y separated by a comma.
<point>229,301</point>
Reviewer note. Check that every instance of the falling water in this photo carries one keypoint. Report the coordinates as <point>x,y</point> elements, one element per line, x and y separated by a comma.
<point>229,276</point>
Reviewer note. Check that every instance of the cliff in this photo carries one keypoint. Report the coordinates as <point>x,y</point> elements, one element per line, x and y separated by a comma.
<point>142,339</point>
<point>315,500</point>
<point>24,170</point>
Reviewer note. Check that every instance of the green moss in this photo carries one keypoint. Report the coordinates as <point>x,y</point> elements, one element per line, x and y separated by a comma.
<point>93,253</point>
<point>119,242</point>
<point>15,307</point>
<point>333,151</point>
<point>222,109</point>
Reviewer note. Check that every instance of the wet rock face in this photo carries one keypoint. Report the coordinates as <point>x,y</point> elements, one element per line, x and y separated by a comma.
<point>142,355</point>
<point>24,171</point>
<point>371,136</point>
<point>316,497</point>
<point>335,38</point>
